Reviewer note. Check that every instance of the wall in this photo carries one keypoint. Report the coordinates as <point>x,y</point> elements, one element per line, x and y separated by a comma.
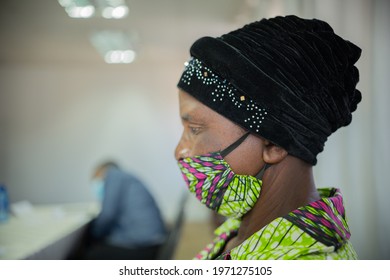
<point>60,120</point>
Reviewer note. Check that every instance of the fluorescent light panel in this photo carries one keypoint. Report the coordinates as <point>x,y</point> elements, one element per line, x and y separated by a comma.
<point>110,9</point>
<point>114,46</point>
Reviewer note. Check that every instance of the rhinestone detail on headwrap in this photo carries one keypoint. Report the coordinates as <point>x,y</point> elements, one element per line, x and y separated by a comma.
<point>222,91</point>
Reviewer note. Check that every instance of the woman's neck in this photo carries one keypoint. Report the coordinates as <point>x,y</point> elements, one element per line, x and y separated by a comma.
<point>287,186</point>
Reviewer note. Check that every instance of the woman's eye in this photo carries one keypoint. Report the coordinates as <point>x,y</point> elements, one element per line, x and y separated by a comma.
<point>195,130</point>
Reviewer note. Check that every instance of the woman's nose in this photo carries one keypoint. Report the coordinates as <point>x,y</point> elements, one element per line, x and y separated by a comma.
<point>181,150</point>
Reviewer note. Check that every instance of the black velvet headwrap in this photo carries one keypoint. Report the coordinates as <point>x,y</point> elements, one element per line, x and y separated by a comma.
<point>287,79</point>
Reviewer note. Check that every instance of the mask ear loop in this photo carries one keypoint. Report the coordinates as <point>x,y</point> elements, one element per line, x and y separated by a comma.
<point>261,172</point>
<point>229,149</point>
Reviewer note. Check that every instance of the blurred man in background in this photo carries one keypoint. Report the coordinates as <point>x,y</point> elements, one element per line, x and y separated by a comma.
<point>130,224</point>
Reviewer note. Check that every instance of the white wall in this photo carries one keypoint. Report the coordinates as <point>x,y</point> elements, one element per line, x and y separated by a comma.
<point>60,120</point>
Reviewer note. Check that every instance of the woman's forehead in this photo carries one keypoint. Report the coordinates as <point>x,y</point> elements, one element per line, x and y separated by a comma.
<point>191,109</point>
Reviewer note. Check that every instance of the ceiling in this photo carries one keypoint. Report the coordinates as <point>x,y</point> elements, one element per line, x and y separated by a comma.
<point>40,31</point>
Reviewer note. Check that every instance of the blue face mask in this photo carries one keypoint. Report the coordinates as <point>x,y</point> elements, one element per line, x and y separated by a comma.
<point>97,187</point>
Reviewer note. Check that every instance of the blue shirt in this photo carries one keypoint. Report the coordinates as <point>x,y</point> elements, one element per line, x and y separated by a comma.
<point>130,216</point>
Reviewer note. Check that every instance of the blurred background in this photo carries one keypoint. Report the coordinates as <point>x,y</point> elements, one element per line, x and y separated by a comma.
<point>81,82</point>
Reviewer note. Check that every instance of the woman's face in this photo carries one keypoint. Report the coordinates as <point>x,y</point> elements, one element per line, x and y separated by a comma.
<point>205,131</point>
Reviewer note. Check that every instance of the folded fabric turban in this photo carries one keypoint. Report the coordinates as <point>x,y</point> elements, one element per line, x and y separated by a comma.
<point>290,80</point>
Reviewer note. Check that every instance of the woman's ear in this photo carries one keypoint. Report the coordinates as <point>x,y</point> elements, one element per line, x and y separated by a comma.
<point>272,153</point>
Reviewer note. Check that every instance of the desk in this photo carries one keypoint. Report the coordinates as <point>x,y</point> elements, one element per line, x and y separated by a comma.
<point>46,232</point>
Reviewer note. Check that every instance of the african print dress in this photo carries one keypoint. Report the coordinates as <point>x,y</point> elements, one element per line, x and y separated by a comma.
<point>318,231</point>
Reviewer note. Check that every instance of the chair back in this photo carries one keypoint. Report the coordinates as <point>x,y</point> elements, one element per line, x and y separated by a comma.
<point>167,250</point>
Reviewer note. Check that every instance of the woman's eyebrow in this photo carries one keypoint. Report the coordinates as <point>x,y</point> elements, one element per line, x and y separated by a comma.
<point>186,117</point>
<point>192,117</point>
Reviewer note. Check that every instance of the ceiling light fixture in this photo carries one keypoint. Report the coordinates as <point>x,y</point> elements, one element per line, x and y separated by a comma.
<point>109,9</point>
<point>114,46</point>
<point>78,8</point>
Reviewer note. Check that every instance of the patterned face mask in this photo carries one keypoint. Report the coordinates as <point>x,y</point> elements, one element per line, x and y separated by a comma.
<point>215,184</point>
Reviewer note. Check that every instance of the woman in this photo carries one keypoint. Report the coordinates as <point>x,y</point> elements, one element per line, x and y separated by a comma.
<point>257,105</point>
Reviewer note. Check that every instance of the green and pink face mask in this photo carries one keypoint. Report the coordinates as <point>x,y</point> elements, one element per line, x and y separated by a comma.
<point>215,184</point>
